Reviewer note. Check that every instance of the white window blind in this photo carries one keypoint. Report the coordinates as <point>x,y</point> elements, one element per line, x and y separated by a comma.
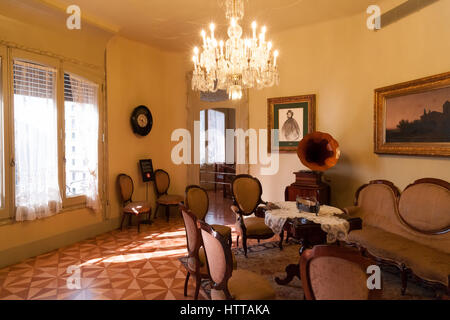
<point>81,144</point>
<point>36,143</point>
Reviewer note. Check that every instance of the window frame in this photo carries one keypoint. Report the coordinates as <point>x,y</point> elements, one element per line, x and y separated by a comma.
<point>5,158</point>
<point>8,56</point>
<point>87,75</point>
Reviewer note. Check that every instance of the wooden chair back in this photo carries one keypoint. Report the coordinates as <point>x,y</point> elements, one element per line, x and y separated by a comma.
<point>219,258</point>
<point>336,273</point>
<point>193,238</point>
<point>197,200</point>
<point>126,187</point>
<point>162,182</point>
<point>247,192</point>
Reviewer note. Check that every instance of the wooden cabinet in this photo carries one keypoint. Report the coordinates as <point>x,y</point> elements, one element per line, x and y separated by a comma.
<point>308,184</point>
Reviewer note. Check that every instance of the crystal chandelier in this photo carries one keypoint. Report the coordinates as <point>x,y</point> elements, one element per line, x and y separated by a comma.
<point>234,64</point>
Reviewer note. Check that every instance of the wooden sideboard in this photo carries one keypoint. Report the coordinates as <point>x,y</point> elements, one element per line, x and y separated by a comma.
<point>308,184</point>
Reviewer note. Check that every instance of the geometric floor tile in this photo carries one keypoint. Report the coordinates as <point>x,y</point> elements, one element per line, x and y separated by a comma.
<point>116,265</point>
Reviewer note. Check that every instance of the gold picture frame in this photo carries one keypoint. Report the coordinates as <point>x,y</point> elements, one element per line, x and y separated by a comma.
<point>302,109</point>
<point>419,132</point>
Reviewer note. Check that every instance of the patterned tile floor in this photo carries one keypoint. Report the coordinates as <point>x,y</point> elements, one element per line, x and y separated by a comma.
<point>114,265</point>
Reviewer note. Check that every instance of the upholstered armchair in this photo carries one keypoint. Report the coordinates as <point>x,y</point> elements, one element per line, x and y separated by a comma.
<point>336,273</point>
<point>247,191</point>
<point>131,208</point>
<point>229,284</point>
<point>197,201</point>
<point>162,183</point>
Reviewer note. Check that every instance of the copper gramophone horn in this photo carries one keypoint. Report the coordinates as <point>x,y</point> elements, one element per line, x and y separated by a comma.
<point>318,151</point>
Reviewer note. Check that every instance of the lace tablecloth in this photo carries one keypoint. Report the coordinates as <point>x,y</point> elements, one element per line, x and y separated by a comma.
<point>335,227</point>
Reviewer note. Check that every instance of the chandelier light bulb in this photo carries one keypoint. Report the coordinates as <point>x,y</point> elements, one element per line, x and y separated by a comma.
<point>212,27</point>
<point>254,25</point>
<point>234,64</point>
<point>203,33</point>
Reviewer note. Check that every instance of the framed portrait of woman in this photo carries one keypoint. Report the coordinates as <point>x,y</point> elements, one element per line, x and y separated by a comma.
<point>289,120</point>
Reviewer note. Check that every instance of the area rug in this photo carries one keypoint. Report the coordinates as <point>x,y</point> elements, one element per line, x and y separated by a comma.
<point>267,260</point>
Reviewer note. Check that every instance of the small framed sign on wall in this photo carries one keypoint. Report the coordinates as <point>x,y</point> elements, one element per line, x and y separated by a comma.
<point>146,170</point>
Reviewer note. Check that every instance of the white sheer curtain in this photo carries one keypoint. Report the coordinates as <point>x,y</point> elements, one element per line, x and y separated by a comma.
<point>82,118</point>
<point>36,146</point>
<point>216,136</point>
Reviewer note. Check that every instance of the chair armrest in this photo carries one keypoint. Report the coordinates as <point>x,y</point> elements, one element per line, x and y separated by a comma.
<point>353,211</point>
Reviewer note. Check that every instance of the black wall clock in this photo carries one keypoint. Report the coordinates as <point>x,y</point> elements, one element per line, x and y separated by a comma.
<point>141,120</point>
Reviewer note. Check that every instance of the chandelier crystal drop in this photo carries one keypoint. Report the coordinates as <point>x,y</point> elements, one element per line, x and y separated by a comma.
<point>234,64</point>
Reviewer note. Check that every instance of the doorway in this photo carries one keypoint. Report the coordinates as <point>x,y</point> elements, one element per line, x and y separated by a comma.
<point>217,168</point>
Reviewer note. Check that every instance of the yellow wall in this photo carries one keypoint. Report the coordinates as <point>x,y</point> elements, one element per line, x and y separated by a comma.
<point>342,62</point>
<point>139,74</point>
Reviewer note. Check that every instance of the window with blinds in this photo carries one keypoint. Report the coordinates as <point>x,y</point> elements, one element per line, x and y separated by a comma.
<point>36,142</point>
<point>81,132</point>
<point>34,80</point>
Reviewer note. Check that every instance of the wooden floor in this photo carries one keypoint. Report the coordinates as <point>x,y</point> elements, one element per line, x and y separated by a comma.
<point>219,209</point>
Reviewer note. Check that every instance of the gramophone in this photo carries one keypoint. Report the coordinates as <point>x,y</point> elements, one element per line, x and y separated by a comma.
<point>319,152</point>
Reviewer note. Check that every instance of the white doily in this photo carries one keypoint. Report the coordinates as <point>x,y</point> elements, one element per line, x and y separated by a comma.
<point>336,228</point>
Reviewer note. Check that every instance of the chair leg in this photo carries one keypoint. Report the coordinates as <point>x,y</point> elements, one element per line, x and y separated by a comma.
<point>167,213</point>
<point>244,244</point>
<point>259,241</point>
<point>156,210</point>
<point>197,286</point>
<point>139,223</point>
<point>129,220</point>
<point>237,241</point>
<point>121,223</point>
<point>186,283</point>
<point>230,240</point>
<point>404,275</point>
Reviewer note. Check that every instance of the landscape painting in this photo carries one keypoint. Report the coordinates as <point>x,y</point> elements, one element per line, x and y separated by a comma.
<point>414,117</point>
<point>420,117</point>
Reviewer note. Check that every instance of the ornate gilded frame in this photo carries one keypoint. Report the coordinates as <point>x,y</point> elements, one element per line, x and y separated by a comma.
<point>310,99</point>
<point>408,148</point>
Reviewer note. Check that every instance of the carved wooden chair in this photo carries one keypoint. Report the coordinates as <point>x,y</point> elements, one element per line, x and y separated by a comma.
<point>196,263</point>
<point>336,273</point>
<point>162,183</point>
<point>247,191</point>
<point>226,283</point>
<point>130,208</point>
<point>197,201</point>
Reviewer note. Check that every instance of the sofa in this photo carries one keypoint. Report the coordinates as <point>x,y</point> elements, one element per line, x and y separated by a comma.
<point>410,230</point>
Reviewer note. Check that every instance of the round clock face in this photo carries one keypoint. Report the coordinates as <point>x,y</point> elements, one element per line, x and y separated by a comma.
<point>141,120</point>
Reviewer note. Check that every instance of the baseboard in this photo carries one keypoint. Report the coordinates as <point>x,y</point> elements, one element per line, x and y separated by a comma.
<point>17,254</point>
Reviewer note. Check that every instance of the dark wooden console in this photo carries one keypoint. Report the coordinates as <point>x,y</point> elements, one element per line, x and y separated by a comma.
<point>308,184</point>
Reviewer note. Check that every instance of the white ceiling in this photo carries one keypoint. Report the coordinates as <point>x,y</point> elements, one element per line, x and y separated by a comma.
<point>176,24</point>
